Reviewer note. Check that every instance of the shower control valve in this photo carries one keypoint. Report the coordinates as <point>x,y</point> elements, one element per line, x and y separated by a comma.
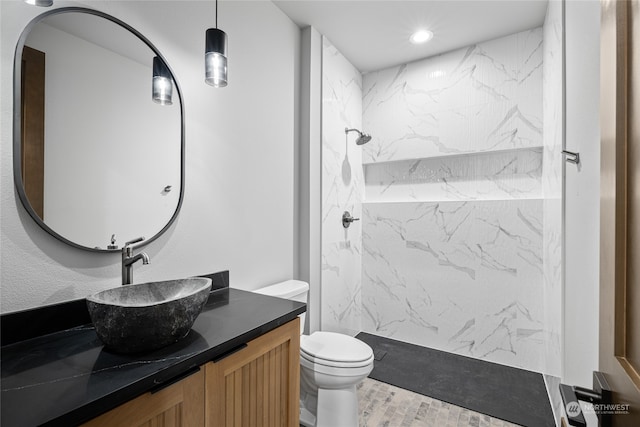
<point>347,219</point>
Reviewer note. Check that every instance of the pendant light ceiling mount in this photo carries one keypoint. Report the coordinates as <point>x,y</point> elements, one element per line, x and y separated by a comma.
<point>215,55</point>
<point>41,3</point>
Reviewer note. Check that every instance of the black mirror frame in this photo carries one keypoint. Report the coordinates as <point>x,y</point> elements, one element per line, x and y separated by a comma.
<point>17,123</point>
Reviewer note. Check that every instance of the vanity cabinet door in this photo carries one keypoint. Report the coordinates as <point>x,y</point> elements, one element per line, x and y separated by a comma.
<point>258,385</point>
<point>178,405</point>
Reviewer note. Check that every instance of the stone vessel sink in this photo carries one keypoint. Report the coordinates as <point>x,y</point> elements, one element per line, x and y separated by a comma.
<point>148,316</point>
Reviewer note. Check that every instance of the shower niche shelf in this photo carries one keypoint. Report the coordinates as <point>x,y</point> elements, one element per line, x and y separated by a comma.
<point>538,148</point>
<point>441,201</point>
<point>498,175</point>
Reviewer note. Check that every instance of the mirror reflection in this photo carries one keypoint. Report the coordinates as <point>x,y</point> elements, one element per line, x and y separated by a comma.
<point>101,132</point>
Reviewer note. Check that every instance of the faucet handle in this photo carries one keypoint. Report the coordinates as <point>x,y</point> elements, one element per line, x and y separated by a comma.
<point>136,240</point>
<point>128,247</point>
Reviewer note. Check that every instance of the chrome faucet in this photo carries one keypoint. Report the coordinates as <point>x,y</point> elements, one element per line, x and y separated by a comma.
<point>128,259</point>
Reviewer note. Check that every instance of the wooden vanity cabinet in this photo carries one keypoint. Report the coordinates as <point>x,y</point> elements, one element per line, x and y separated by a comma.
<point>178,405</point>
<point>258,385</point>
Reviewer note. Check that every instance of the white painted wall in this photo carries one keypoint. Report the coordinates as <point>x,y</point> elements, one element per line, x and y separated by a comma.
<point>110,150</point>
<point>239,191</point>
<point>309,171</point>
<point>582,195</point>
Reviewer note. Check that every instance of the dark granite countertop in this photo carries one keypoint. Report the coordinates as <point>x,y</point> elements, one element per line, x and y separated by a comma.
<point>66,377</point>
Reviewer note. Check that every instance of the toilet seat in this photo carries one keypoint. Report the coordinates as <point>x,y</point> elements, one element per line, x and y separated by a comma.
<point>337,371</point>
<point>335,350</point>
<point>333,364</point>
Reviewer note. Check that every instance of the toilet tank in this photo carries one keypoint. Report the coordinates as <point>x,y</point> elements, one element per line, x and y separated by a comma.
<point>295,290</point>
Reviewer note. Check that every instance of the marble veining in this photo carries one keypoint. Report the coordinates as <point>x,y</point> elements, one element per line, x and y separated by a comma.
<point>485,97</point>
<point>507,174</point>
<point>114,368</point>
<point>457,194</point>
<point>552,177</point>
<point>460,276</point>
<point>342,190</point>
<point>461,248</point>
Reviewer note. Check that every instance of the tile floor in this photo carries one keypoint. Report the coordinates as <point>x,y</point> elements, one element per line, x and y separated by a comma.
<point>383,405</point>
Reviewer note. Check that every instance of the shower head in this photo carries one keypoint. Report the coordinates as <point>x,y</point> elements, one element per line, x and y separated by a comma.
<point>362,139</point>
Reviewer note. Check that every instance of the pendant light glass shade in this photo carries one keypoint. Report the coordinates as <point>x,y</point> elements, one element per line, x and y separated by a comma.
<point>162,86</point>
<point>41,3</point>
<point>215,57</point>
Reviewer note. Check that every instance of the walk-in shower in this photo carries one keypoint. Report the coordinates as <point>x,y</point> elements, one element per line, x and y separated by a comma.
<point>460,197</point>
<point>456,249</point>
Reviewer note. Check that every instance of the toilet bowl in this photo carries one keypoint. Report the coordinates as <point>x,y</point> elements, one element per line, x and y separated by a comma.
<point>331,366</point>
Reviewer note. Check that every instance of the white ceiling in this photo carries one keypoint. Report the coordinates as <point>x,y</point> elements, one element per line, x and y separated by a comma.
<point>374,34</point>
<point>103,33</point>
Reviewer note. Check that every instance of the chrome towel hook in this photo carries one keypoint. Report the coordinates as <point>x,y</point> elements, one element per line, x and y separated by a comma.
<point>571,157</point>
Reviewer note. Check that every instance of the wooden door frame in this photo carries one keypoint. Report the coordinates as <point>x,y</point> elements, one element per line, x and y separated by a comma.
<point>618,160</point>
<point>33,130</point>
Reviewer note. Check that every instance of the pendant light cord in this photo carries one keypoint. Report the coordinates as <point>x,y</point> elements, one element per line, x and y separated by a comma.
<point>216,13</point>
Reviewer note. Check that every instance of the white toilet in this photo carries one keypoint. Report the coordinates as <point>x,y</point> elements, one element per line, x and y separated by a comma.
<point>331,365</point>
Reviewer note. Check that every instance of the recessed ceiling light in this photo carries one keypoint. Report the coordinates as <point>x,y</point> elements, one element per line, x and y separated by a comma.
<point>421,36</point>
<point>437,74</point>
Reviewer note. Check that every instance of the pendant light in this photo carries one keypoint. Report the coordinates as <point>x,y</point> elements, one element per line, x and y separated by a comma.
<point>41,3</point>
<point>215,56</point>
<point>162,86</point>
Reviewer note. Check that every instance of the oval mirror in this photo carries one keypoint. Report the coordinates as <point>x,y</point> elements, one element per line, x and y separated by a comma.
<point>98,131</point>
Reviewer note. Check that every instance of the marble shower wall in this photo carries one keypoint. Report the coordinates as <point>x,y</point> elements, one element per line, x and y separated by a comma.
<point>505,174</point>
<point>552,179</point>
<point>453,231</point>
<point>552,183</point>
<point>342,190</point>
<point>463,277</point>
<point>485,97</point>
